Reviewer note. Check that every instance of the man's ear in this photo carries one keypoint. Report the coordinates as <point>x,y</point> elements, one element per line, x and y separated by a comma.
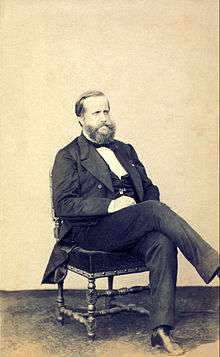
<point>81,121</point>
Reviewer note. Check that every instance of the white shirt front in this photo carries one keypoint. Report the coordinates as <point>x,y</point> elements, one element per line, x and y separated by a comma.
<point>115,166</point>
<point>109,156</point>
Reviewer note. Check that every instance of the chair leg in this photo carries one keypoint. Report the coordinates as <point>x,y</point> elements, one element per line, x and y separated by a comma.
<point>110,282</point>
<point>91,301</point>
<point>60,303</point>
<point>108,300</point>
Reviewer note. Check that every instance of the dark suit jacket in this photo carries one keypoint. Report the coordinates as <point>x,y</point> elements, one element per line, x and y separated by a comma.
<point>83,190</point>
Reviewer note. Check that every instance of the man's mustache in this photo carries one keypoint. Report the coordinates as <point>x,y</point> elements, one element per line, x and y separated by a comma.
<point>109,125</point>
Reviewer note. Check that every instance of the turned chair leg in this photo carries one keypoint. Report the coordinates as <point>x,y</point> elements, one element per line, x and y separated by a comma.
<point>91,301</point>
<point>60,303</point>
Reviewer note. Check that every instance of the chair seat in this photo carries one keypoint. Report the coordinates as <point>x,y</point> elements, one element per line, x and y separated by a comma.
<point>99,261</point>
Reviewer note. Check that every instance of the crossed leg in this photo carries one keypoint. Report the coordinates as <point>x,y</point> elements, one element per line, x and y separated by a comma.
<point>123,229</point>
<point>153,231</point>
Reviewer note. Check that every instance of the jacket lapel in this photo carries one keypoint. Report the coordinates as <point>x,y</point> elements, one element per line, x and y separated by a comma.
<point>94,163</point>
<point>132,171</point>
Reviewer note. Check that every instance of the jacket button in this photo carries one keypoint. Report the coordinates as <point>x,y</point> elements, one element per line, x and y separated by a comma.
<point>99,186</point>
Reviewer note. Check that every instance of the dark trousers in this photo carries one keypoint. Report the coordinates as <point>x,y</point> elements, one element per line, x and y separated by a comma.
<point>154,232</point>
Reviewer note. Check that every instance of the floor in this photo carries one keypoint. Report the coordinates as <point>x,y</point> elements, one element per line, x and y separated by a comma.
<point>28,326</point>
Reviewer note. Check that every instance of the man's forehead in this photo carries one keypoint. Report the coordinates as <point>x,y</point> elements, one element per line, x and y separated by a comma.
<point>96,102</point>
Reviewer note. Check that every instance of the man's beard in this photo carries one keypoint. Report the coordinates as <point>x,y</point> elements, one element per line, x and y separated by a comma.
<point>100,137</point>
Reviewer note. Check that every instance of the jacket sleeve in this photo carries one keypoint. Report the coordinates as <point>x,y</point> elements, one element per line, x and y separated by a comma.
<point>151,192</point>
<point>67,199</point>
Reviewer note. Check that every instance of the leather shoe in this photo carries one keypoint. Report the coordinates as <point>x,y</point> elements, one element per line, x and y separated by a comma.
<point>162,338</point>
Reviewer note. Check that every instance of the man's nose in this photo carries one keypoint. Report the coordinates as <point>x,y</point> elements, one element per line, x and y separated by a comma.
<point>104,118</point>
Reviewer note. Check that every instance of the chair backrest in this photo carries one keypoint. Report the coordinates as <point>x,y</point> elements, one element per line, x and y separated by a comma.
<point>57,220</point>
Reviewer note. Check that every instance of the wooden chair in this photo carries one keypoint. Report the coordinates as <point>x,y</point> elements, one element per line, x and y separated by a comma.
<point>94,265</point>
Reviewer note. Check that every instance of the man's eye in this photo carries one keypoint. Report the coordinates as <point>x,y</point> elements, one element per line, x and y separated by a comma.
<point>106,112</point>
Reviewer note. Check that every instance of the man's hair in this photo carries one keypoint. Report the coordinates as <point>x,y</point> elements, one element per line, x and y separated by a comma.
<point>79,106</point>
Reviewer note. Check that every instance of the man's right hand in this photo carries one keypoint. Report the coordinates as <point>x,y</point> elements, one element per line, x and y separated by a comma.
<point>120,202</point>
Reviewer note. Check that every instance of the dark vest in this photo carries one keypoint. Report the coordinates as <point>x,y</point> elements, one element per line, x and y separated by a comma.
<point>123,185</point>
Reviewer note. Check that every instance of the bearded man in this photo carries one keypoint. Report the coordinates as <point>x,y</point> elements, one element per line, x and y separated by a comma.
<point>108,203</point>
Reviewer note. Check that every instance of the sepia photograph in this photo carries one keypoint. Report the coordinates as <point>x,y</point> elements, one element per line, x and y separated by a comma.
<point>109,178</point>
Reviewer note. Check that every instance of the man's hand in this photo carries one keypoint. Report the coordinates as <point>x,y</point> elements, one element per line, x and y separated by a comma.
<point>120,202</point>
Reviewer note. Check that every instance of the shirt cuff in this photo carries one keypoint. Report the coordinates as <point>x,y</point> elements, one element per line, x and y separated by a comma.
<point>111,207</point>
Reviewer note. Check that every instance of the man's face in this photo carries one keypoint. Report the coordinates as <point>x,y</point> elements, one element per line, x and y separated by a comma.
<point>96,121</point>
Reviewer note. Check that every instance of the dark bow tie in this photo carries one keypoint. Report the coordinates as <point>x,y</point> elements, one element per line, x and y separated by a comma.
<point>110,145</point>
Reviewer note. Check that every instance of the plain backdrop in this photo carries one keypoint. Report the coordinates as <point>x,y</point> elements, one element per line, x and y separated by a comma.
<point>157,61</point>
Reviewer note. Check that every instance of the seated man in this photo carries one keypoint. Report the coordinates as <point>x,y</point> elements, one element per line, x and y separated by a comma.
<point>107,202</point>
